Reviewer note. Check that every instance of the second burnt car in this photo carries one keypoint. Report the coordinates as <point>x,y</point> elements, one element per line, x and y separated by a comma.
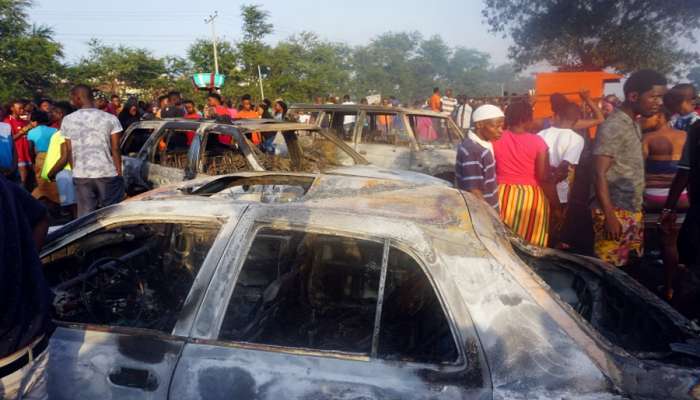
<point>390,137</point>
<point>162,152</point>
<point>264,285</point>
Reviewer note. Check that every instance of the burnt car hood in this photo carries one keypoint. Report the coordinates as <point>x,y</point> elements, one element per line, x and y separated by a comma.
<point>371,171</point>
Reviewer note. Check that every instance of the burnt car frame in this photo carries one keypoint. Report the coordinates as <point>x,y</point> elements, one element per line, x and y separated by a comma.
<point>391,137</point>
<point>156,153</point>
<point>287,285</point>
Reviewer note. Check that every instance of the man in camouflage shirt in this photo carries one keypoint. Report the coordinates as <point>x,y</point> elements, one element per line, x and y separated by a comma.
<point>619,171</point>
<point>92,140</point>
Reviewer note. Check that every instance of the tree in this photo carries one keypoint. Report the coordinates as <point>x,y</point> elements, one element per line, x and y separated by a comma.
<point>29,57</point>
<point>694,76</point>
<point>120,68</point>
<point>304,66</point>
<point>252,49</point>
<point>595,34</point>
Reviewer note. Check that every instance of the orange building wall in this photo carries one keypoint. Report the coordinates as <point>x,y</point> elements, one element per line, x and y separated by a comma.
<point>568,84</point>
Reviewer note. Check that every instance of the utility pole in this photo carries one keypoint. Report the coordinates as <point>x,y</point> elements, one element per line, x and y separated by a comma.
<point>262,94</point>
<point>210,20</point>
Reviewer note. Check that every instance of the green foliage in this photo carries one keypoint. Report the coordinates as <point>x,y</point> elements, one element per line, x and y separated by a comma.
<point>29,58</point>
<point>110,68</point>
<point>694,76</point>
<point>255,23</point>
<point>595,34</point>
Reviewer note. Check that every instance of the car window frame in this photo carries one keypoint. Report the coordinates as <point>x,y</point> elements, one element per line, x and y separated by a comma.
<point>177,332</point>
<point>388,243</point>
<point>422,146</point>
<point>156,136</point>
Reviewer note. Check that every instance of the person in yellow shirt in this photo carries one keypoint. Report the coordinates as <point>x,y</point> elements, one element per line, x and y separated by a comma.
<point>57,168</point>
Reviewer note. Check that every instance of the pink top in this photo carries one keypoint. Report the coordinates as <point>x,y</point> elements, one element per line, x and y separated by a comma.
<point>516,156</point>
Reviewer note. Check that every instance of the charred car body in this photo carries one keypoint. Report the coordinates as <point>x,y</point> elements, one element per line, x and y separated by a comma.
<point>269,285</point>
<point>160,152</point>
<point>390,137</point>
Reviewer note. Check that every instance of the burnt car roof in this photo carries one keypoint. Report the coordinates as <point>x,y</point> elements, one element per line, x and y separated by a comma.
<point>365,107</point>
<point>247,125</point>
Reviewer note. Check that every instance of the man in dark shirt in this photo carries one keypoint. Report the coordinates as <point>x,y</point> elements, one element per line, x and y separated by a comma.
<point>475,168</point>
<point>174,109</point>
<point>25,325</point>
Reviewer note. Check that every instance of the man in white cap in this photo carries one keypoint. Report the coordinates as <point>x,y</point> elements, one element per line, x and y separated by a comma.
<point>475,169</point>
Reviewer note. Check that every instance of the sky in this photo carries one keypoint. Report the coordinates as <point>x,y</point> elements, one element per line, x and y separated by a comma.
<point>168,27</point>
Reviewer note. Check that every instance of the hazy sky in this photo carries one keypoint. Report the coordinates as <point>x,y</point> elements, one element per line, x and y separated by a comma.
<point>168,27</point>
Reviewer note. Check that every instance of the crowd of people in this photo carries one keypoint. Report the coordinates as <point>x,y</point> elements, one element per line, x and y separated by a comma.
<point>559,183</point>
<point>46,148</point>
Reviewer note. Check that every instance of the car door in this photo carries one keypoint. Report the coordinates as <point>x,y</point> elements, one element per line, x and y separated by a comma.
<point>303,321</point>
<point>134,154</point>
<point>125,293</point>
<point>383,139</point>
<point>168,157</point>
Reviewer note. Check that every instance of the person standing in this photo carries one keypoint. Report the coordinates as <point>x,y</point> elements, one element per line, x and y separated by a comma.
<point>449,103</point>
<point>115,105</point>
<point>190,110</point>
<point>216,107</point>
<point>39,138</point>
<point>19,125</point>
<point>129,115</point>
<point>463,114</point>
<point>522,171</point>
<point>662,147</point>
<point>619,171</point>
<point>174,108</point>
<point>280,109</point>
<point>435,101</point>
<point>247,111</point>
<point>565,148</point>
<point>8,159</point>
<point>92,139</point>
<point>25,322</point>
<point>475,168</point>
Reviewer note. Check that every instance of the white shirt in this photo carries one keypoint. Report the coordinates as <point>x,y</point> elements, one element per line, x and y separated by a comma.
<point>484,143</point>
<point>464,116</point>
<point>564,145</point>
<point>349,119</point>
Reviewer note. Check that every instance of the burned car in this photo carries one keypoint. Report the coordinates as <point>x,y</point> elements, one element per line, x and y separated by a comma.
<point>390,137</point>
<point>166,151</point>
<point>313,286</point>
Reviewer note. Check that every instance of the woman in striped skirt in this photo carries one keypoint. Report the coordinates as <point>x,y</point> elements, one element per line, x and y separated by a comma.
<point>522,171</point>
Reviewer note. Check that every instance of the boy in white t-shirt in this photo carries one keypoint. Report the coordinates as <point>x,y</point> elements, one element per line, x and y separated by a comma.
<point>565,147</point>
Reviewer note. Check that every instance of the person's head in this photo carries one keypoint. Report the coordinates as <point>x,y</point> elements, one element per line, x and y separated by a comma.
<point>518,114</point>
<point>436,90</point>
<point>246,102</point>
<point>558,101</point>
<point>29,107</point>
<point>448,92</point>
<point>81,96</point>
<point>39,117</point>
<point>680,99</point>
<point>268,103</point>
<point>174,98</point>
<point>363,100</point>
<point>116,101</point>
<point>163,101</point>
<point>569,115</point>
<point>101,102</point>
<point>60,110</point>
<point>45,105</point>
<point>657,121</point>
<point>488,122</point>
<point>385,102</point>
<point>15,108</point>
<point>214,100</point>
<point>644,91</point>
<point>133,109</point>
<point>346,98</point>
<point>189,107</point>
<point>281,107</point>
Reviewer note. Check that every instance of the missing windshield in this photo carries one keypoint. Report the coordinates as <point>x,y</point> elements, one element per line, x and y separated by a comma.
<point>266,189</point>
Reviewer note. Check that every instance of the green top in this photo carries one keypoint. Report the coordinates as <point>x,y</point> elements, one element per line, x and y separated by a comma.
<point>53,154</point>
